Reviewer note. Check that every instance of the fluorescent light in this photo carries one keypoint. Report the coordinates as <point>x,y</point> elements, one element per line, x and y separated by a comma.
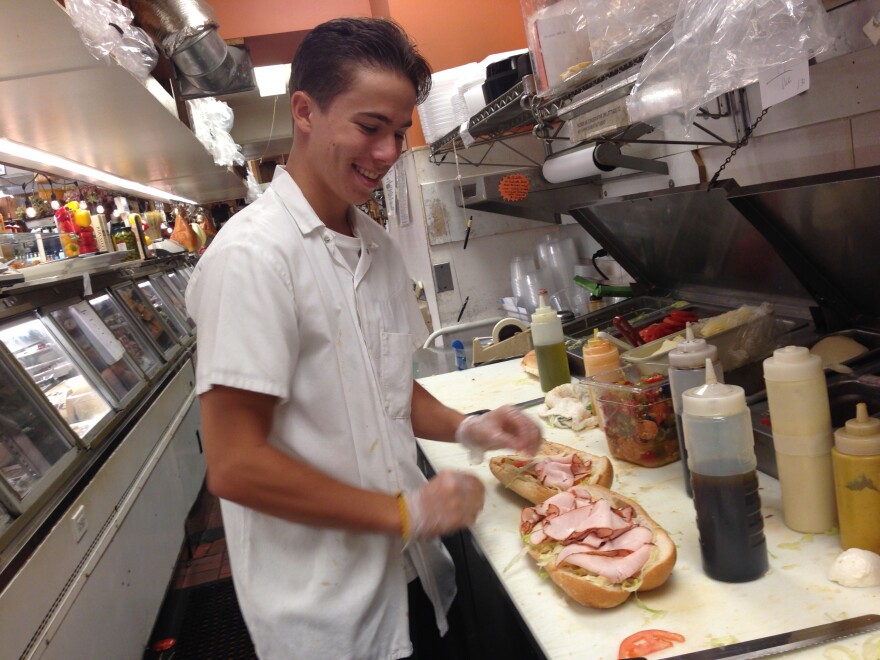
<point>272,80</point>
<point>44,158</point>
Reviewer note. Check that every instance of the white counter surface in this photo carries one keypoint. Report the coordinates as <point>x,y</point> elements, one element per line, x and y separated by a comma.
<point>795,593</point>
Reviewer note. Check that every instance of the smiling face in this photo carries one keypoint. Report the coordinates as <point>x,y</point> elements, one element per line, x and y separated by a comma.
<point>342,151</point>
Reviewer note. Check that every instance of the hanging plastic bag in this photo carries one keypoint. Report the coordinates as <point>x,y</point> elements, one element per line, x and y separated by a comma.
<point>616,25</point>
<point>254,189</point>
<point>105,28</point>
<point>721,45</point>
<point>212,122</point>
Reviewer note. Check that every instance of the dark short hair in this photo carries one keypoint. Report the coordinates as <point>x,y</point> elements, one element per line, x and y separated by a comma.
<point>325,61</point>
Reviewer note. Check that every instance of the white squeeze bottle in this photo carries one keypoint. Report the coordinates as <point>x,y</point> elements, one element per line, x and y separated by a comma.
<point>800,418</point>
<point>549,343</point>
<point>687,369</point>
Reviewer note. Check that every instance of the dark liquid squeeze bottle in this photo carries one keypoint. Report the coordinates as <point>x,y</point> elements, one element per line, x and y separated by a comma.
<point>687,369</point>
<point>721,458</point>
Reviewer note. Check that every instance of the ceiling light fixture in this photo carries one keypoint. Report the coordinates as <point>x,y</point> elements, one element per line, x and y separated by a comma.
<point>29,209</point>
<point>41,159</point>
<point>272,80</point>
<point>53,200</point>
<point>83,205</point>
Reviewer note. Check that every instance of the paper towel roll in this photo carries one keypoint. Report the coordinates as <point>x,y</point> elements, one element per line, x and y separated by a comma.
<point>571,165</point>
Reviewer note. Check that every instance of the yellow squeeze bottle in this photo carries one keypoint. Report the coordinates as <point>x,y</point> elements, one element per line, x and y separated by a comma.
<point>856,461</point>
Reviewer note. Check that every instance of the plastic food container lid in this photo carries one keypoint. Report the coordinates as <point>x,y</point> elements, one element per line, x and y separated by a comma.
<point>792,363</point>
<point>630,381</point>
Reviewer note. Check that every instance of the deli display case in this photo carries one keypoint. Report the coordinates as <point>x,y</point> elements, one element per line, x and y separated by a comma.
<point>60,374</point>
<point>35,447</point>
<point>175,299</point>
<point>100,455</point>
<point>138,347</point>
<point>153,322</point>
<point>166,309</point>
<point>81,326</point>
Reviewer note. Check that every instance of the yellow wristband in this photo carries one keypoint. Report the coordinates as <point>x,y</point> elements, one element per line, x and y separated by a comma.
<point>404,517</point>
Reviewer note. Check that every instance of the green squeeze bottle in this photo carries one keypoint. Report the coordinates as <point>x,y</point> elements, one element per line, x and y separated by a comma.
<point>549,345</point>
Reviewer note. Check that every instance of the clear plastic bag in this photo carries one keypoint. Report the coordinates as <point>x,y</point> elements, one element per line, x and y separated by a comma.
<point>105,28</point>
<point>615,25</point>
<point>212,123</point>
<point>717,46</point>
<point>558,39</point>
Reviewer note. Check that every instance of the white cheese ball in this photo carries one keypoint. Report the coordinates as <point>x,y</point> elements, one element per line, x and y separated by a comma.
<point>856,568</point>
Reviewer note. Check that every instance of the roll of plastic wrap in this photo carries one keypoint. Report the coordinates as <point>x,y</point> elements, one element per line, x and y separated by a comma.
<point>573,165</point>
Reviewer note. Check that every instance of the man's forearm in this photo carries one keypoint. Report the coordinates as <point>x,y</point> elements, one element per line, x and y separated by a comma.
<point>431,419</point>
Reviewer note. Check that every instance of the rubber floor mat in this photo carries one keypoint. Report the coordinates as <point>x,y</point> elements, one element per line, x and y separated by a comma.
<point>212,627</point>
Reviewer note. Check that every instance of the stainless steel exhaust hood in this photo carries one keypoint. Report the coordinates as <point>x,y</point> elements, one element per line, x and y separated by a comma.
<point>804,244</point>
<point>186,31</point>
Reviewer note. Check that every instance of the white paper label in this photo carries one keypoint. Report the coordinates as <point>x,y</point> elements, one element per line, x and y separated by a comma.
<point>780,83</point>
<point>109,348</point>
<point>600,121</point>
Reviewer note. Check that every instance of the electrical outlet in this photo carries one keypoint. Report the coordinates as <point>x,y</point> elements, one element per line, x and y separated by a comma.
<point>872,29</point>
<point>78,520</point>
<point>443,277</point>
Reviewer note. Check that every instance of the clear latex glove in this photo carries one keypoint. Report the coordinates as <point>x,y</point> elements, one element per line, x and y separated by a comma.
<point>504,427</point>
<point>448,502</point>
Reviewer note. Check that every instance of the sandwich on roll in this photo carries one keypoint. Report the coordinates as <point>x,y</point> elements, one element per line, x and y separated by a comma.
<point>529,363</point>
<point>556,468</point>
<point>597,545</point>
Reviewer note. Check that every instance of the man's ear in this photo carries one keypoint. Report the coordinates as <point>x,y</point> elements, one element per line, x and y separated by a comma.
<point>301,107</point>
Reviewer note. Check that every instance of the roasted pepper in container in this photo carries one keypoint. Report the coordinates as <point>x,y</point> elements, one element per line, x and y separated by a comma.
<point>636,403</point>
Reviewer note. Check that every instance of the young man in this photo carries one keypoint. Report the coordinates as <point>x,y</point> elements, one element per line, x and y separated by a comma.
<point>306,325</point>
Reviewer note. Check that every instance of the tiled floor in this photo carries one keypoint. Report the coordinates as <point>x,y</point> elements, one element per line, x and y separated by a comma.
<point>203,557</point>
<point>188,626</point>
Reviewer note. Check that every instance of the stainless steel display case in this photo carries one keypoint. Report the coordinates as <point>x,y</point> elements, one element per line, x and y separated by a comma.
<point>61,374</point>
<point>79,326</point>
<point>139,348</point>
<point>35,446</point>
<point>148,319</point>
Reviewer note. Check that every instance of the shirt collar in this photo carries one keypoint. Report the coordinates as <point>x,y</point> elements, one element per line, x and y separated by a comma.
<point>295,202</point>
<point>304,215</point>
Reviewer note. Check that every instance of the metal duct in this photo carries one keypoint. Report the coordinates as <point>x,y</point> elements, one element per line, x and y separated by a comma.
<point>186,32</point>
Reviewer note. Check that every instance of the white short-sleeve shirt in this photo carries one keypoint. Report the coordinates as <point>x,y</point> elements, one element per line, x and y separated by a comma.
<point>279,312</point>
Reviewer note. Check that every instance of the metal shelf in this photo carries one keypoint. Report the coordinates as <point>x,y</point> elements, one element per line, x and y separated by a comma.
<point>523,107</point>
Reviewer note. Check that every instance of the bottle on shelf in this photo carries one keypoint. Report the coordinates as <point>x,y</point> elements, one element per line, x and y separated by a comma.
<point>856,461</point>
<point>687,369</point>
<point>721,456</point>
<point>800,419</point>
<point>600,356</point>
<point>549,343</point>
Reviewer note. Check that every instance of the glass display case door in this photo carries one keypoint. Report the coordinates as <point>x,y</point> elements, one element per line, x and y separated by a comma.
<point>165,309</point>
<point>179,282</point>
<point>54,368</point>
<point>35,447</point>
<point>147,318</point>
<point>168,291</point>
<point>82,328</point>
<point>138,347</point>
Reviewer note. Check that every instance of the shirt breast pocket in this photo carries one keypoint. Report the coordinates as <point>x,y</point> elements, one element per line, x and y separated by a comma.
<point>395,374</point>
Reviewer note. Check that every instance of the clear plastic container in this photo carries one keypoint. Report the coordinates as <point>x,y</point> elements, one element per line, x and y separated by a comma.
<point>636,403</point>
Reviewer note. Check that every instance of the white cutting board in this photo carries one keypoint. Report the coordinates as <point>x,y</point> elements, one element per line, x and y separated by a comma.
<point>795,593</point>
